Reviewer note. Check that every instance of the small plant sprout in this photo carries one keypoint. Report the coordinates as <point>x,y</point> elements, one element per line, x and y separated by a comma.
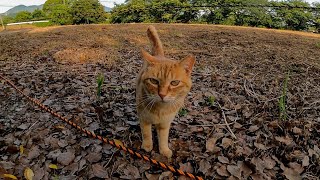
<point>283,98</point>
<point>318,44</point>
<point>100,79</point>
<point>182,112</point>
<point>211,100</point>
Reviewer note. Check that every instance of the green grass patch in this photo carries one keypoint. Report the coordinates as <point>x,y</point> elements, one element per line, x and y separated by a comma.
<point>182,112</point>
<point>210,100</point>
<point>100,79</point>
<point>43,24</point>
<point>318,44</point>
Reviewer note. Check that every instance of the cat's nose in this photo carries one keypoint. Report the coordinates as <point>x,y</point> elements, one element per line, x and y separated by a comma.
<point>162,95</point>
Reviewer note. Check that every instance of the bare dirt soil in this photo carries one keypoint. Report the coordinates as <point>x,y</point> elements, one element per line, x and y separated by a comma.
<point>238,78</point>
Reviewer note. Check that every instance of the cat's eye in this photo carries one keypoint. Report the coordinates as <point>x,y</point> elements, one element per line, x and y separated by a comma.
<point>154,81</point>
<point>175,83</point>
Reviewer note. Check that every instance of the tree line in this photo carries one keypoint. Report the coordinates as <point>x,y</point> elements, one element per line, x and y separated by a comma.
<point>64,12</point>
<point>286,14</point>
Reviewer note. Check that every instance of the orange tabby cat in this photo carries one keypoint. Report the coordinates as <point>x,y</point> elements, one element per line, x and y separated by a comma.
<point>162,86</point>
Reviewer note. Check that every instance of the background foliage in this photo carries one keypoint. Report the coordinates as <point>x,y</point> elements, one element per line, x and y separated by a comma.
<point>257,13</point>
<point>229,12</point>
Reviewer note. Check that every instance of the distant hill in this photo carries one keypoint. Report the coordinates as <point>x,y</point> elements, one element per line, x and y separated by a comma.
<point>16,9</point>
<point>13,11</point>
<point>107,9</point>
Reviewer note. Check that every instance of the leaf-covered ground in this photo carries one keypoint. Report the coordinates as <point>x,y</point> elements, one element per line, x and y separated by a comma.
<point>238,78</point>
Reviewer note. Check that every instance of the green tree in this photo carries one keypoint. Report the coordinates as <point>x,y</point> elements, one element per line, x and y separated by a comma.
<point>153,11</point>
<point>253,16</point>
<point>8,19</point>
<point>87,12</point>
<point>50,5</point>
<point>220,12</point>
<point>23,16</point>
<point>58,11</point>
<point>294,18</point>
<point>316,17</point>
<point>131,11</point>
<point>38,15</point>
<point>60,15</point>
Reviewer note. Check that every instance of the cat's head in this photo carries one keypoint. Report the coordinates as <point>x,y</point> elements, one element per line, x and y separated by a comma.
<point>165,80</point>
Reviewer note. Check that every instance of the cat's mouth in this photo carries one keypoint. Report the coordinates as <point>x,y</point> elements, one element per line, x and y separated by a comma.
<point>166,100</point>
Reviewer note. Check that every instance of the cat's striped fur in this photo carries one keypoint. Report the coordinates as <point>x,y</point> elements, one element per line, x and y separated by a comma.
<point>161,88</point>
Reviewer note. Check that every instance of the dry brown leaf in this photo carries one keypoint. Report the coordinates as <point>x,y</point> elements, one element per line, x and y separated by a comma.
<point>223,159</point>
<point>12,149</point>
<point>152,176</point>
<point>167,175</point>
<point>204,166</point>
<point>33,153</point>
<point>10,176</point>
<point>118,142</point>
<point>291,174</point>
<point>286,140</point>
<point>232,178</point>
<point>131,172</point>
<point>237,125</point>
<point>53,166</point>
<point>21,149</point>
<point>93,157</point>
<point>297,167</point>
<point>65,158</point>
<point>99,171</point>
<point>234,170</point>
<point>222,171</point>
<point>260,146</point>
<point>269,163</point>
<point>39,173</point>
<point>187,167</point>
<point>226,142</point>
<point>257,176</point>
<point>60,127</point>
<point>72,168</point>
<point>28,174</point>
<point>253,128</point>
<point>316,149</point>
<point>245,170</point>
<point>305,161</point>
<point>297,130</point>
<point>211,144</point>
<point>243,151</point>
<point>258,163</point>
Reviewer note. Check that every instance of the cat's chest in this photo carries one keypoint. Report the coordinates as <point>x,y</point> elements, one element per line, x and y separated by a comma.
<point>158,117</point>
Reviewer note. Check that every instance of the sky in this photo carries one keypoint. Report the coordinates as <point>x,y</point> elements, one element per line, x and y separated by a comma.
<point>8,4</point>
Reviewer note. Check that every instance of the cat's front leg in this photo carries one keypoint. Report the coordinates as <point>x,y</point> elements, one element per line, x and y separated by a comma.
<point>146,136</point>
<point>163,138</point>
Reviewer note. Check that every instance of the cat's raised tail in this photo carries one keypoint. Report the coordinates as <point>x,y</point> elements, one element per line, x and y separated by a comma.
<point>157,49</point>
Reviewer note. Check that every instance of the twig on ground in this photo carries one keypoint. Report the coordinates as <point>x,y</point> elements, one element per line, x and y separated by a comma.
<point>250,93</point>
<point>27,131</point>
<point>106,165</point>
<point>225,120</point>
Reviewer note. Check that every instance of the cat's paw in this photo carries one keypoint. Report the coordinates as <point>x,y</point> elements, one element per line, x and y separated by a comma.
<point>147,146</point>
<point>166,152</point>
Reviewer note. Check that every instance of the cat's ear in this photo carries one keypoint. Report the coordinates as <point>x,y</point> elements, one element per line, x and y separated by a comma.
<point>148,57</point>
<point>188,63</point>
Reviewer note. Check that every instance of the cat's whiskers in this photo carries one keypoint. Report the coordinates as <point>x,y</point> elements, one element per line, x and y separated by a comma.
<point>150,103</point>
<point>144,99</point>
<point>175,105</point>
<point>153,103</point>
